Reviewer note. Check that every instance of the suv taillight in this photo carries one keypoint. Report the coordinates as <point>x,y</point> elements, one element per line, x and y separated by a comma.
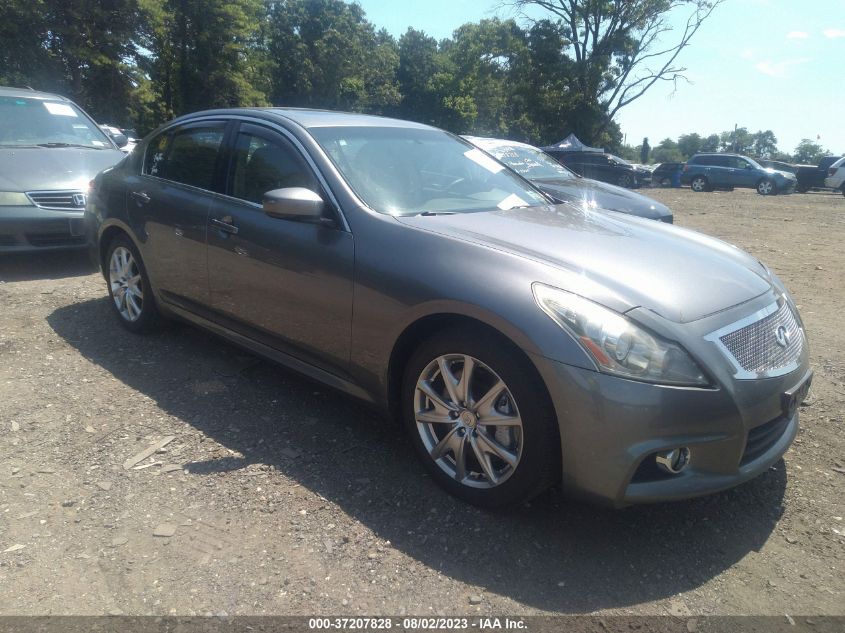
<point>685,167</point>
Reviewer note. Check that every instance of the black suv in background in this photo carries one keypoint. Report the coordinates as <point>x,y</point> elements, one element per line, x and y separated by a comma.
<point>812,176</point>
<point>706,172</point>
<point>601,166</point>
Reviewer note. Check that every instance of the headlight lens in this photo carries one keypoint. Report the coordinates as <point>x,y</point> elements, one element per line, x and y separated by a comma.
<point>14,199</point>
<point>616,344</point>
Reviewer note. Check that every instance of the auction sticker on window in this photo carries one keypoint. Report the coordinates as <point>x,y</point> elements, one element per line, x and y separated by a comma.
<point>59,109</point>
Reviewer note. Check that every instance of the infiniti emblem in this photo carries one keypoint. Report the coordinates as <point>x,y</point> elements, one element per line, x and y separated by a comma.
<point>79,199</point>
<point>782,336</point>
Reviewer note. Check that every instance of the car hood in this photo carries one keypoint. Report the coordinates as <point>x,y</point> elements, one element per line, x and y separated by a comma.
<point>42,168</point>
<point>594,194</point>
<point>620,260</point>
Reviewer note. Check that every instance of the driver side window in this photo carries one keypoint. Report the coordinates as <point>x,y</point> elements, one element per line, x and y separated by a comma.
<point>261,165</point>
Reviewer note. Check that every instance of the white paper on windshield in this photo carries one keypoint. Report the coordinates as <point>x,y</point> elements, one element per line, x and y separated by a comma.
<point>59,109</point>
<point>479,157</point>
<point>512,201</point>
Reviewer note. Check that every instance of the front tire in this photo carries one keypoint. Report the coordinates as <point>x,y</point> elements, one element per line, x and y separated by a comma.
<point>129,287</point>
<point>699,184</point>
<point>766,187</point>
<point>480,419</point>
<point>626,181</point>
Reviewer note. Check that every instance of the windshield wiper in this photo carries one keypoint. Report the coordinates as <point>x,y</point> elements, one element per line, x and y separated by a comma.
<point>57,144</point>
<point>431,213</point>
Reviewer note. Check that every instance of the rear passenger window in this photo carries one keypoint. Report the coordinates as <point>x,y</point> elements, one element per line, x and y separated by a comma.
<point>155,154</point>
<point>191,156</point>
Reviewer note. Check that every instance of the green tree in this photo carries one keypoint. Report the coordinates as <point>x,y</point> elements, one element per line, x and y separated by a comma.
<point>667,152</point>
<point>809,152</point>
<point>710,144</point>
<point>326,54</point>
<point>764,144</point>
<point>621,48</point>
<point>689,144</point>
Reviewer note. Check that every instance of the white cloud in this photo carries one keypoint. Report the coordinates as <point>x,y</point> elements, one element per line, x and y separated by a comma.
<point>779,69</point>
<point>832,34</point>
<point>797,35</point>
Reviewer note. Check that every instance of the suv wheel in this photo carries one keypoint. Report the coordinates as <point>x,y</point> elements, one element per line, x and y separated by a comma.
<point>626,181</point>
<point>766,187</point>
<point>129,287</point>
<point>482,425</point>
<point>698,184</point>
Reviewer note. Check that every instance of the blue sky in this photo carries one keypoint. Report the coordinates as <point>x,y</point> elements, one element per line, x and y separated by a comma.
<point>762,64</point>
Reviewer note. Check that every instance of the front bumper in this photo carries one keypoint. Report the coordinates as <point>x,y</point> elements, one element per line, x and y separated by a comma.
<point>611,428</point>
<point>28,229</point>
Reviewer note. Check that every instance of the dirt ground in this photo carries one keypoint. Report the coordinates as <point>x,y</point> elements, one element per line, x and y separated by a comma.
<point>276,496</point>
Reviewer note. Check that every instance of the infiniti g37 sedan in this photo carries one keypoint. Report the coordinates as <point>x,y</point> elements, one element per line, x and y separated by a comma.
<point>522,343</point>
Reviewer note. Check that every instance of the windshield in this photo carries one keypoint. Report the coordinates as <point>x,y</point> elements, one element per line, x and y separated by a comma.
<point>36,122</point>
<point>621,161</point>
<point>530,162</point>
<point>405,171</point>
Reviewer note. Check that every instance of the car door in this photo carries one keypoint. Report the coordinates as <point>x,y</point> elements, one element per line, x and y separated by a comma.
<point>285,283</point>
<point>743,173</point>
<point>170,200</point>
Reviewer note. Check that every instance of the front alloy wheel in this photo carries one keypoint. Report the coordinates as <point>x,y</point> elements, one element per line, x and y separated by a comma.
<point>480,417</point>
<point>766,188</point>
<point>468,421</point>
<point>626,181</point>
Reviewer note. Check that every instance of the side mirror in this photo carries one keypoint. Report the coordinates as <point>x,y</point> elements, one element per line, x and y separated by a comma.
<point>119,139</point>
<point>293,203</point>
<point>748,166</point>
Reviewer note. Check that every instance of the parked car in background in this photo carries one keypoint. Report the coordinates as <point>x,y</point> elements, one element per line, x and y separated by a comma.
<point>119,137</point>
<point>602,166</point>
<point>665,173</point>
<point>778,165</point>
<point>705,172</point>
<point>521,343</point>
<point>49,151</point>
<point>565,185</point>
<point>813,176</point>
<point>836,176</point>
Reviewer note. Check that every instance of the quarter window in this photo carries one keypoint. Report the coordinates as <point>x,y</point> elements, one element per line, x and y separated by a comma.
<point>261,165</point>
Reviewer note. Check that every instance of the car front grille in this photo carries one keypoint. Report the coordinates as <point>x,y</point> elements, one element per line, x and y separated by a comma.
<point>762,438</point>
<point>70,200</point>
<point>758,349</point>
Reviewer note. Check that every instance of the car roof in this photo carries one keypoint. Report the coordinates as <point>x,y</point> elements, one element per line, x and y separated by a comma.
<point>312,118</point>
<point>29,93</point>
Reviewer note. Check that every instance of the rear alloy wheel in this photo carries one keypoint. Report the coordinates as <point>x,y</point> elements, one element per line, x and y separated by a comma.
<point>485,431</point>
<point>766,188</point>
<point>129,288</point>
<point>698,184</point>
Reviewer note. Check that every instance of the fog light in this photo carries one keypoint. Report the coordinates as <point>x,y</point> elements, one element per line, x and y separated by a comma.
<point>673,461</point>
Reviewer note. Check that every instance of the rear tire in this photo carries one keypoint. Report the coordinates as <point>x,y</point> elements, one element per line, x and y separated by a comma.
<point>699,184</point>
<point>461,442</point>
<point>129,287</point>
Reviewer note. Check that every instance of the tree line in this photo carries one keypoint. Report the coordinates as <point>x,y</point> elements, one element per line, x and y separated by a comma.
<point>138,63</point>
<point>760,144</point>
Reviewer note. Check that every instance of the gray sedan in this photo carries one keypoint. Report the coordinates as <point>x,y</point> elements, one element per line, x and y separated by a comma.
<point>521,343</point>
<point>565,185</point>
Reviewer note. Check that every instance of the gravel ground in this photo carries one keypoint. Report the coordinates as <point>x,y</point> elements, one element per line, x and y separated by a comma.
<point>271,495</point>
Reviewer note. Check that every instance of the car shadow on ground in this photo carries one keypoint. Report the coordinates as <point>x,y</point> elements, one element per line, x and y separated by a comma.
<point>553,554</point>
<point>49,265</point>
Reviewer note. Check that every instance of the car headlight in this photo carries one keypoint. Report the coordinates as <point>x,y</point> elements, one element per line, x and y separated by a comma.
<point>617,345</point>
<point>14,199</point>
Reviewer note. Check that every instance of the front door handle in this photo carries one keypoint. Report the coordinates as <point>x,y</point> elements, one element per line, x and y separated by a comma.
<point>141,197</point>
<point>225,225</point>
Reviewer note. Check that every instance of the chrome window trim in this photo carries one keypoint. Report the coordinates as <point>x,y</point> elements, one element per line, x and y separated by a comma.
<point>739,372</point>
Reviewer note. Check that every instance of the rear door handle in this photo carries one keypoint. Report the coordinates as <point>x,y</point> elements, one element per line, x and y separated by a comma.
<point>225,225</point>
<point>141,197</point>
